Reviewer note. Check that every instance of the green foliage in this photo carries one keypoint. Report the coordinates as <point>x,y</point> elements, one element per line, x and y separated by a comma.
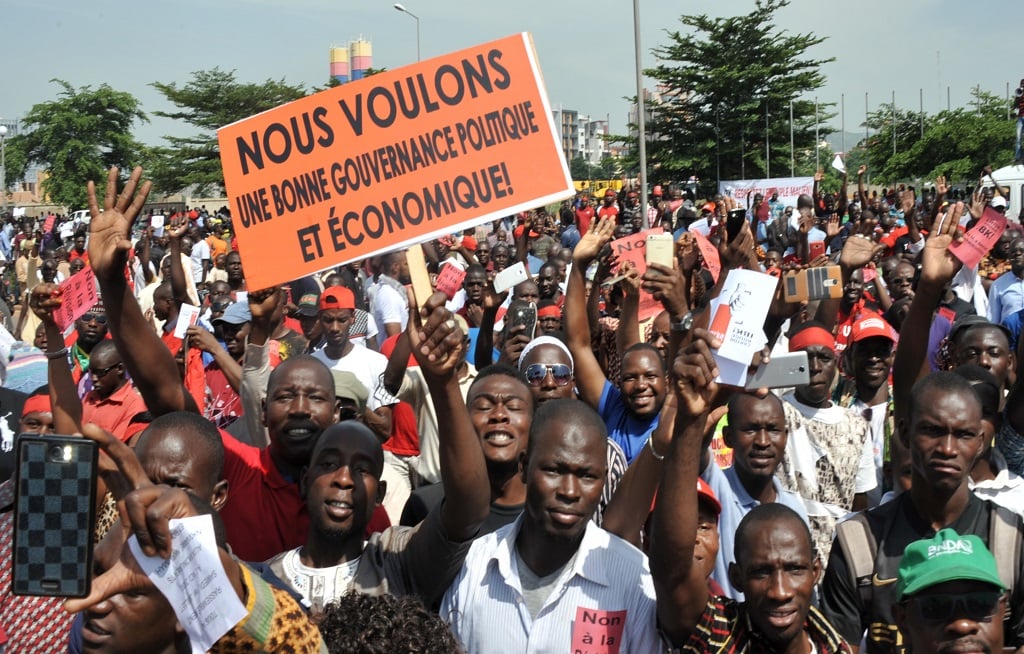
<point>581,169</point>
<point>956,143</point>
<point>76,138</point>
<point>210,100</point>
<point>720,77</point>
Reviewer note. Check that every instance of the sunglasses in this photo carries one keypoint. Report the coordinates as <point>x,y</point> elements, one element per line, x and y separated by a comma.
<point>536,372</point>
<point>101,318</point>
<point>102,372</point>
<point>978,606</point>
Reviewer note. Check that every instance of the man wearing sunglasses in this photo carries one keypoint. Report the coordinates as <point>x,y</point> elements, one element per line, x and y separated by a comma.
<point>950,597</point>
<point>113,400</point>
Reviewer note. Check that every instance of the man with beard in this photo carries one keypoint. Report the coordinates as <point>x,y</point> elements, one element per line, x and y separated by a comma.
<point>545,581</point>
<point>343,486</point>
<point>548,278</point>
<point>388,301</point>
<point>631,409</point>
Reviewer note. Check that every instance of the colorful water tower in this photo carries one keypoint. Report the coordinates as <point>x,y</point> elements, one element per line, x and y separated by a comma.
<point>339,64</point>
<point>361,58</point>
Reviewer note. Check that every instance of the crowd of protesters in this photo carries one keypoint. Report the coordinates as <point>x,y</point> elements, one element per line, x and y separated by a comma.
<point>397,473</point>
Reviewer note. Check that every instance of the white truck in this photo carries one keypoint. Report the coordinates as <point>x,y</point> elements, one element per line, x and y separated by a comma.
<point>1011,181</point>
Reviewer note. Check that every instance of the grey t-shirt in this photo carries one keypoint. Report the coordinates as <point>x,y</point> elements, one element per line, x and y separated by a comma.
<point>537,589</point>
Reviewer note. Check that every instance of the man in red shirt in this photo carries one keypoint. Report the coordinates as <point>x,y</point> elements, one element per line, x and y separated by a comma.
<point>608,208</point>
<point>584,214</point>
<point>113,401</point>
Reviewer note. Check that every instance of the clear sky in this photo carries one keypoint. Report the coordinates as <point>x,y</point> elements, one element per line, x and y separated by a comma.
<point>585,47</point>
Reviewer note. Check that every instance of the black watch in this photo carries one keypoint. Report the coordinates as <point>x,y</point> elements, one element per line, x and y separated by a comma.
<point>684,325</point>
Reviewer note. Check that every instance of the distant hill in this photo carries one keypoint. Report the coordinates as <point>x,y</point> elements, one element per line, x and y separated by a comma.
<point>835,140</point>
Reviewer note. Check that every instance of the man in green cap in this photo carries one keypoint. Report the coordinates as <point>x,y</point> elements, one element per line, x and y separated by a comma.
<point>949,596</point>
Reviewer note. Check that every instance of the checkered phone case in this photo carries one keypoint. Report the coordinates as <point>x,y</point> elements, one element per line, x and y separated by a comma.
<point>55,507</point>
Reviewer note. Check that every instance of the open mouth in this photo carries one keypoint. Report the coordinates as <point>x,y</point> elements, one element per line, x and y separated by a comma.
<point>499,438</point>
<point>337,509</point>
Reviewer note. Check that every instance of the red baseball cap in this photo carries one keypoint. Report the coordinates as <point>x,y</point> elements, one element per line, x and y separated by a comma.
<point>871,324</point>
<point>609,192</point>
<point>337,297</point>
<point>705,493</point>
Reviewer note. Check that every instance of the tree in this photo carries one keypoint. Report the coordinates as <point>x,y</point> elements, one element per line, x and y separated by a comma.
<point>76,138</point>
<point>719,83</point>
<point>956,143</point>
<point>209,101</point>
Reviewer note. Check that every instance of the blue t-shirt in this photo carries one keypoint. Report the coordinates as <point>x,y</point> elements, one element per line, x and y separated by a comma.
<point>629,431</point>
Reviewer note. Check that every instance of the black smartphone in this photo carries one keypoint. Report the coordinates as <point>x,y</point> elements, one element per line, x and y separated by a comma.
<point>55,515</point>
<point>524,313</point>
<point>734,223</point>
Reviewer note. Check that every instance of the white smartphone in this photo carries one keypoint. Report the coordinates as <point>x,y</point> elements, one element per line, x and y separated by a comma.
<point>509,277</point>
<point>781,371</point>
<point>660,249</point>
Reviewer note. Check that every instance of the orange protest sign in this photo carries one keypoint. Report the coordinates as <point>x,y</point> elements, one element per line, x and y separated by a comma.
<point>391,160</point>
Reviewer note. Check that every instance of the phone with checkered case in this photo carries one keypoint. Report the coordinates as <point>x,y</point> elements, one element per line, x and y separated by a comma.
<point>55,506</point>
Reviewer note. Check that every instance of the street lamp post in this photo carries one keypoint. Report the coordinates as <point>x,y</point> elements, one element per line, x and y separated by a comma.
<point>400,7</point>
<point>3,165</point>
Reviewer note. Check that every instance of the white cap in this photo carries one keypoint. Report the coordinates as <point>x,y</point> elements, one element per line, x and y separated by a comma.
<point>998,202</point>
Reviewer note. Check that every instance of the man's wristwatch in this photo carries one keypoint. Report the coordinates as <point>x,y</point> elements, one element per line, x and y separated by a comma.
<point>684,325</point>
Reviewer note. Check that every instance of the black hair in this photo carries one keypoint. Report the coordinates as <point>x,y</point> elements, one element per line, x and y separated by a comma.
<point>731,404</point>
<point>379,624</point>
<point>644,347</point>
<point>206,440</point>
<point>771,512</point>
<point>572,411</point>
<point>985,385</point>
<point>499,369</point>
<point>947,382</point>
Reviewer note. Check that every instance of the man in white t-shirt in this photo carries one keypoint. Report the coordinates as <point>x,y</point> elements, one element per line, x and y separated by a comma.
<point>336,315</point>
<point>389,304</point>
<point>829,459</point>
<point>199,257</point>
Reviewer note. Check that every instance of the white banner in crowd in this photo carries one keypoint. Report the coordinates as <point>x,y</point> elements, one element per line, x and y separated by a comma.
<point>788,188</point>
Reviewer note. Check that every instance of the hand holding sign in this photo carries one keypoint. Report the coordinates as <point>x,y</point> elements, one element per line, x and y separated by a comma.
<point>435,338</point>
<point>109,245</point>
<point>980,239</point>
<point>45,300</point>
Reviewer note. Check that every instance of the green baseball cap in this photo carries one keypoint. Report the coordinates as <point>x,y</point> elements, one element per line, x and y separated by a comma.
<point>947,556</point>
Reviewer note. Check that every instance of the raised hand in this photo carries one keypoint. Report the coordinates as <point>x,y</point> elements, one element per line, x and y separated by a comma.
<point>977,207</point>
<point>687,252</point>
<point>940,186</point>
<point>109,245</point>
<point>832,227</point>
<point>435,339</point>
<point>44,300</point>
<point>908,203</point>
<point>694,372</point>
<point>263,303</point>
<point>862,170</point>
<point>859,249</point>
<point>819,175</point>
<point>592,242</point>
<point>631,276</point>
<point>178,227</point>
<point>669,287</point>
<point>938,265</point>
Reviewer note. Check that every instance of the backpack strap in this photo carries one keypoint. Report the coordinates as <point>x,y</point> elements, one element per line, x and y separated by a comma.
<point>1005,543</point>
<point>859,547</point>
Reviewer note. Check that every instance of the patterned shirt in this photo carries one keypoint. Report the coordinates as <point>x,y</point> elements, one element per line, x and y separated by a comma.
<point>829,458</point>
<point>725,629</point>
